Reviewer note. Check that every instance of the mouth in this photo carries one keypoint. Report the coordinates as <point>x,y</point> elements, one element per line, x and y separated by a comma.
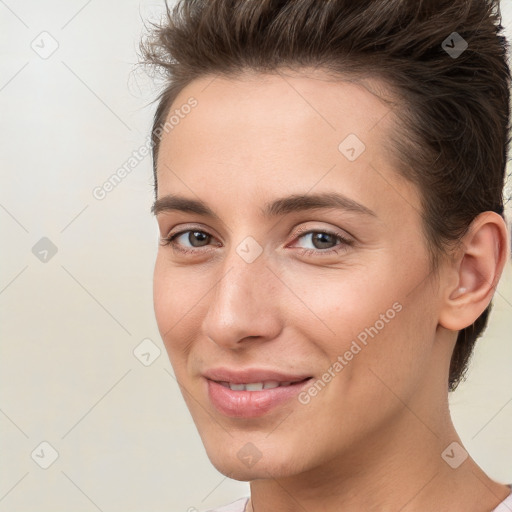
<point>253,399</point>
<point>259,386</point>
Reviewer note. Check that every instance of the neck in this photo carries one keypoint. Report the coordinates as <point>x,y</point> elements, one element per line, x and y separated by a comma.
<point>401,468</point>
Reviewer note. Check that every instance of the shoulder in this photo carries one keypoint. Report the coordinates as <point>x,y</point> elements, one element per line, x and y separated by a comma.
<point>235,506</point>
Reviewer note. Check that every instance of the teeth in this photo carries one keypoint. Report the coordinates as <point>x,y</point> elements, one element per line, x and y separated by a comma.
<point>254,386</point>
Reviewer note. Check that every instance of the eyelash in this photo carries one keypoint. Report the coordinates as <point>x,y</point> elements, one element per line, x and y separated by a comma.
<point>169,241</point>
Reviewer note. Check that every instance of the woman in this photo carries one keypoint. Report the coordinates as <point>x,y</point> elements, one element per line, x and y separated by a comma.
<point>321,373</point>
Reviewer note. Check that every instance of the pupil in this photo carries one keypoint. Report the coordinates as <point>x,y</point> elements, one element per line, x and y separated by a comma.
<point>196,234</point>
<point>318,238</point>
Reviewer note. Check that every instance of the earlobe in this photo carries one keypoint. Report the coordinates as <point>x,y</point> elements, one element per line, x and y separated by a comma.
<point>478,268</point>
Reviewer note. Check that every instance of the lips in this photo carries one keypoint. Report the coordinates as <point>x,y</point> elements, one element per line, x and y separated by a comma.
<point>252,375</point>
<point>253,392</point>
<point>255,386</point>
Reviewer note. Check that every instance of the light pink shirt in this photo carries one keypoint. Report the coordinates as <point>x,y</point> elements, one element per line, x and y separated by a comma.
<point>239,505</point>
<point>504,506</point>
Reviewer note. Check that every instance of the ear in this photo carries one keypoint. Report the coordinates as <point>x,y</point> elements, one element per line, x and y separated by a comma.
<point>475,271</point>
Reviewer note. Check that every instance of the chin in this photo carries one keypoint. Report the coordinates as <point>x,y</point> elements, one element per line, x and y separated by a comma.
<point>247,462</point>
<point>236,470</point>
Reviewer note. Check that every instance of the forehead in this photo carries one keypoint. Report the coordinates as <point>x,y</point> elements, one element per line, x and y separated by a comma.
<point>281,130</point>
<point>264,104</point>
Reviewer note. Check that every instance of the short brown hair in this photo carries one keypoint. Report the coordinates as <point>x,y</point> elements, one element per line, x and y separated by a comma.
<point>452,137</point>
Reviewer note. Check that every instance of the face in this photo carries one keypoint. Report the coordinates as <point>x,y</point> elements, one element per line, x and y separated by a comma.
<point>301,259</point>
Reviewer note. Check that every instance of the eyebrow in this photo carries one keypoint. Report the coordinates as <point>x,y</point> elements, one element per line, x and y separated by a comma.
<point>275,208</point>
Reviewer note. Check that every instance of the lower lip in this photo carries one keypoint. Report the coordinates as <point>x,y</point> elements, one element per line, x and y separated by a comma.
<point>251,404</point>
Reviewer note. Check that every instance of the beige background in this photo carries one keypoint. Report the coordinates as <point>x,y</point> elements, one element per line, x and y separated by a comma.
<point>69,326</point>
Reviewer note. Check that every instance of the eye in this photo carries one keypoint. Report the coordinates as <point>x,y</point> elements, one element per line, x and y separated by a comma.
<point>322,241</point>
<point>192,240</point>
<point>194,237</point>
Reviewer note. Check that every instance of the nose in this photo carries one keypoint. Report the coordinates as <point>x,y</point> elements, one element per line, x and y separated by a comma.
<point>244,303</point>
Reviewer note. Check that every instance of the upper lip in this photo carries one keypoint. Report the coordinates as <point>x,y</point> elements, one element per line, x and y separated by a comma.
<point>250,375</point>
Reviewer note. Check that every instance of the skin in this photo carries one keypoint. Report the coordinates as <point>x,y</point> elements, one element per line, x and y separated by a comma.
<point>372,439</point>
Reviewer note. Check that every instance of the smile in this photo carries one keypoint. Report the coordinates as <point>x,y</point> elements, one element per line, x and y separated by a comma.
<point>252,399</point>
<point>255,386</point>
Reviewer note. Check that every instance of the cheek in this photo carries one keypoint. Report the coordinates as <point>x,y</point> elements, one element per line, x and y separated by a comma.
<point>341,303</point>
<point>389,354</point>
<point>173,301</point>
<point>369,317</point>
<point>175,291</point>
<point>164,297</point>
